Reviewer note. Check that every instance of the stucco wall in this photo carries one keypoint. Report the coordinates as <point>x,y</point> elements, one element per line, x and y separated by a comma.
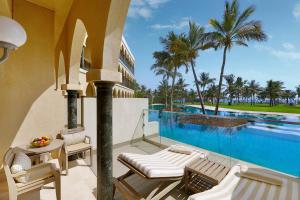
<point>28,102</point>
<point>126,116</point>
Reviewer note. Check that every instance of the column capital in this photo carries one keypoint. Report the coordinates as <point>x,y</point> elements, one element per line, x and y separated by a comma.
<point>103,75</point>
<point>70,86</point>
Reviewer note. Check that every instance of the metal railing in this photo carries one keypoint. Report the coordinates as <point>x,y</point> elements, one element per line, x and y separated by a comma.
<point>125,62</point>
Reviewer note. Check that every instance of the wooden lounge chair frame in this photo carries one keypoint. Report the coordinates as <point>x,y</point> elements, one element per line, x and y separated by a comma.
<point>14,190</point>
<point>128,192</point>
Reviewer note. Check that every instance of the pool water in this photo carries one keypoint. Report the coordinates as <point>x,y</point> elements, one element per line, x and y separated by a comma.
<point>272,145</point>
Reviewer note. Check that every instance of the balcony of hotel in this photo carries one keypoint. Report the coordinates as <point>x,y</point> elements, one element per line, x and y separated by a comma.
<point>64,136</point>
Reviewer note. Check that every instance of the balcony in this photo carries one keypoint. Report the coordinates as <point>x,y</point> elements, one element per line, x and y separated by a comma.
<point>127,83</point>
<point>126,63</point>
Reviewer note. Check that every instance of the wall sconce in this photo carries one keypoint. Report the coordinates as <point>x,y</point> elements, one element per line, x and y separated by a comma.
<point>12,36</point>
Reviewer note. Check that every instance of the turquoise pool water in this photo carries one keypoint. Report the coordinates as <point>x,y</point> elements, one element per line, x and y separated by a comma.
<point>272,145</point>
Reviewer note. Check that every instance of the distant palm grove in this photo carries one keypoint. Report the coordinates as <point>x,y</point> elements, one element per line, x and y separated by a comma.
<point>180,50</point>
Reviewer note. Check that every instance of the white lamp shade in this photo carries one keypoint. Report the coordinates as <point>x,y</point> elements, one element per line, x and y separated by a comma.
<point>11,32</point>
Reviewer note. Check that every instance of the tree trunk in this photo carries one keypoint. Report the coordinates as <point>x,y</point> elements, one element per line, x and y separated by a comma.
<point>167,92</point>
<point>172,88</point>
<point>220,81</point>
<point>198,89</point>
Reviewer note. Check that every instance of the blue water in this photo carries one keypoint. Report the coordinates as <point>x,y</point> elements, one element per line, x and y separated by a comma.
<point>194,110</point>
<point>272,145</point>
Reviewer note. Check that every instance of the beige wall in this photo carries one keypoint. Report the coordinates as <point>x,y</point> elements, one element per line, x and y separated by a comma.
<point>126,116</point>
<point>28,103</point>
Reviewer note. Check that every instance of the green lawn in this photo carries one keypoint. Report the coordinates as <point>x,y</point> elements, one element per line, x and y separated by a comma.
<point>263,107</point>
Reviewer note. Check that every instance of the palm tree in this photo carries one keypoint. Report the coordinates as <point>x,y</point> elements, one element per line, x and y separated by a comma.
<point>204,80</point>
<point>235,29</point>
<point>254,89</point>
<point>298,92</point>
<point>192,95</point>
<point>230,87</point>
<point>163,67</point>
<point>196,40</point>
<point>162,91</point>
<point>246,92</point>
<point>288,94</point>
<point>239,84</point>
<point>211,92</point>
<point>180,89</point>
<point>175,46</point>
<point>273,90</point>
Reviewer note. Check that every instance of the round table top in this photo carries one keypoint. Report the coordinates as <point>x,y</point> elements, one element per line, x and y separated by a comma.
<point>55,144</point>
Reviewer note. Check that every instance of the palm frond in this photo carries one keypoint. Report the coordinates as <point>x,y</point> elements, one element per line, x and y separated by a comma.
<point>243,17</point>
<point>250,31</point>
<point>216,25</point>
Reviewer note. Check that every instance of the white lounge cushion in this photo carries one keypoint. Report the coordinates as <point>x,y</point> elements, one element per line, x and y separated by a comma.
<point>222,191</point>
<point>161,164</point>
<point>181,149</point>
<point>73,138</point>
<point>21,163</point>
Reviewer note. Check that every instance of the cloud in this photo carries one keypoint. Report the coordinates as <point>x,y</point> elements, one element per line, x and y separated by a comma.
<point>156,3</point>
<point>288,46</point>
<point>270,36</point>
<point>184,22</point>
<point>281,54</point>
<point>144,8</point>
<point>296,11</point>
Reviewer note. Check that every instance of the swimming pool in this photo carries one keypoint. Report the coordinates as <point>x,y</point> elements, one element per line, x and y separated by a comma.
<point>272,145</point>
<point>195,110</point>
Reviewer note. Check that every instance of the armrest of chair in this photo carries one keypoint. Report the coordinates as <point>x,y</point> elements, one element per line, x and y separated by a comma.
<point>87,139</point>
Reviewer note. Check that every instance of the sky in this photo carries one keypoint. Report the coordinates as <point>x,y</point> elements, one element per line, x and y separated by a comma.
<point>278,58</point>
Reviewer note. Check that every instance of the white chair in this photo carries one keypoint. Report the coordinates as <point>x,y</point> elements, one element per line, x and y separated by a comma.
<point>75,145</point>
<point>38,176</point>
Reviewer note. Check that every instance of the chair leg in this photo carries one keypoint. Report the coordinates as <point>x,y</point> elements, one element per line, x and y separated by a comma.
<point>58,187</point>
<point>13,195</point>
<point>66,164</point>
<point>114,188</point>
<point>91,158</point>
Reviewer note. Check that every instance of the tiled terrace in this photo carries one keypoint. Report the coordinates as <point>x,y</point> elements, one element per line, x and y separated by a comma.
<point>81,181</point>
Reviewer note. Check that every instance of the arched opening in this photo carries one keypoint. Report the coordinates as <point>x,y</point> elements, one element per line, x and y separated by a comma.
<point>78,40</point>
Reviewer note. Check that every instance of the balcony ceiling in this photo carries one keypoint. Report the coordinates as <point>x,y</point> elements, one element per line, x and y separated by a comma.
<point>49,4</point>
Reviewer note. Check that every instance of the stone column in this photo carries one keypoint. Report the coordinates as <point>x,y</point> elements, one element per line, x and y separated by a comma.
<point>104,141</point>
<point>72,109</point>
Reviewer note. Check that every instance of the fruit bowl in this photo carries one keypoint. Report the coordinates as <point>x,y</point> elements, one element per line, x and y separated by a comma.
<point>40,142</point>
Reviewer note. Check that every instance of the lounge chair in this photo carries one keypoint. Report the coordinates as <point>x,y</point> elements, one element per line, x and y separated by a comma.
<point>255,184</point>
<point>165,166</point>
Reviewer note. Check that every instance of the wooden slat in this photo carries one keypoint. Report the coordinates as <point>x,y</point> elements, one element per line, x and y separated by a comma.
<point>222,174</point>
<point>212,169</point>
<point>206,167</point>
<point>197,163</point>
<point>217,171</point>
<point>199,167</point>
